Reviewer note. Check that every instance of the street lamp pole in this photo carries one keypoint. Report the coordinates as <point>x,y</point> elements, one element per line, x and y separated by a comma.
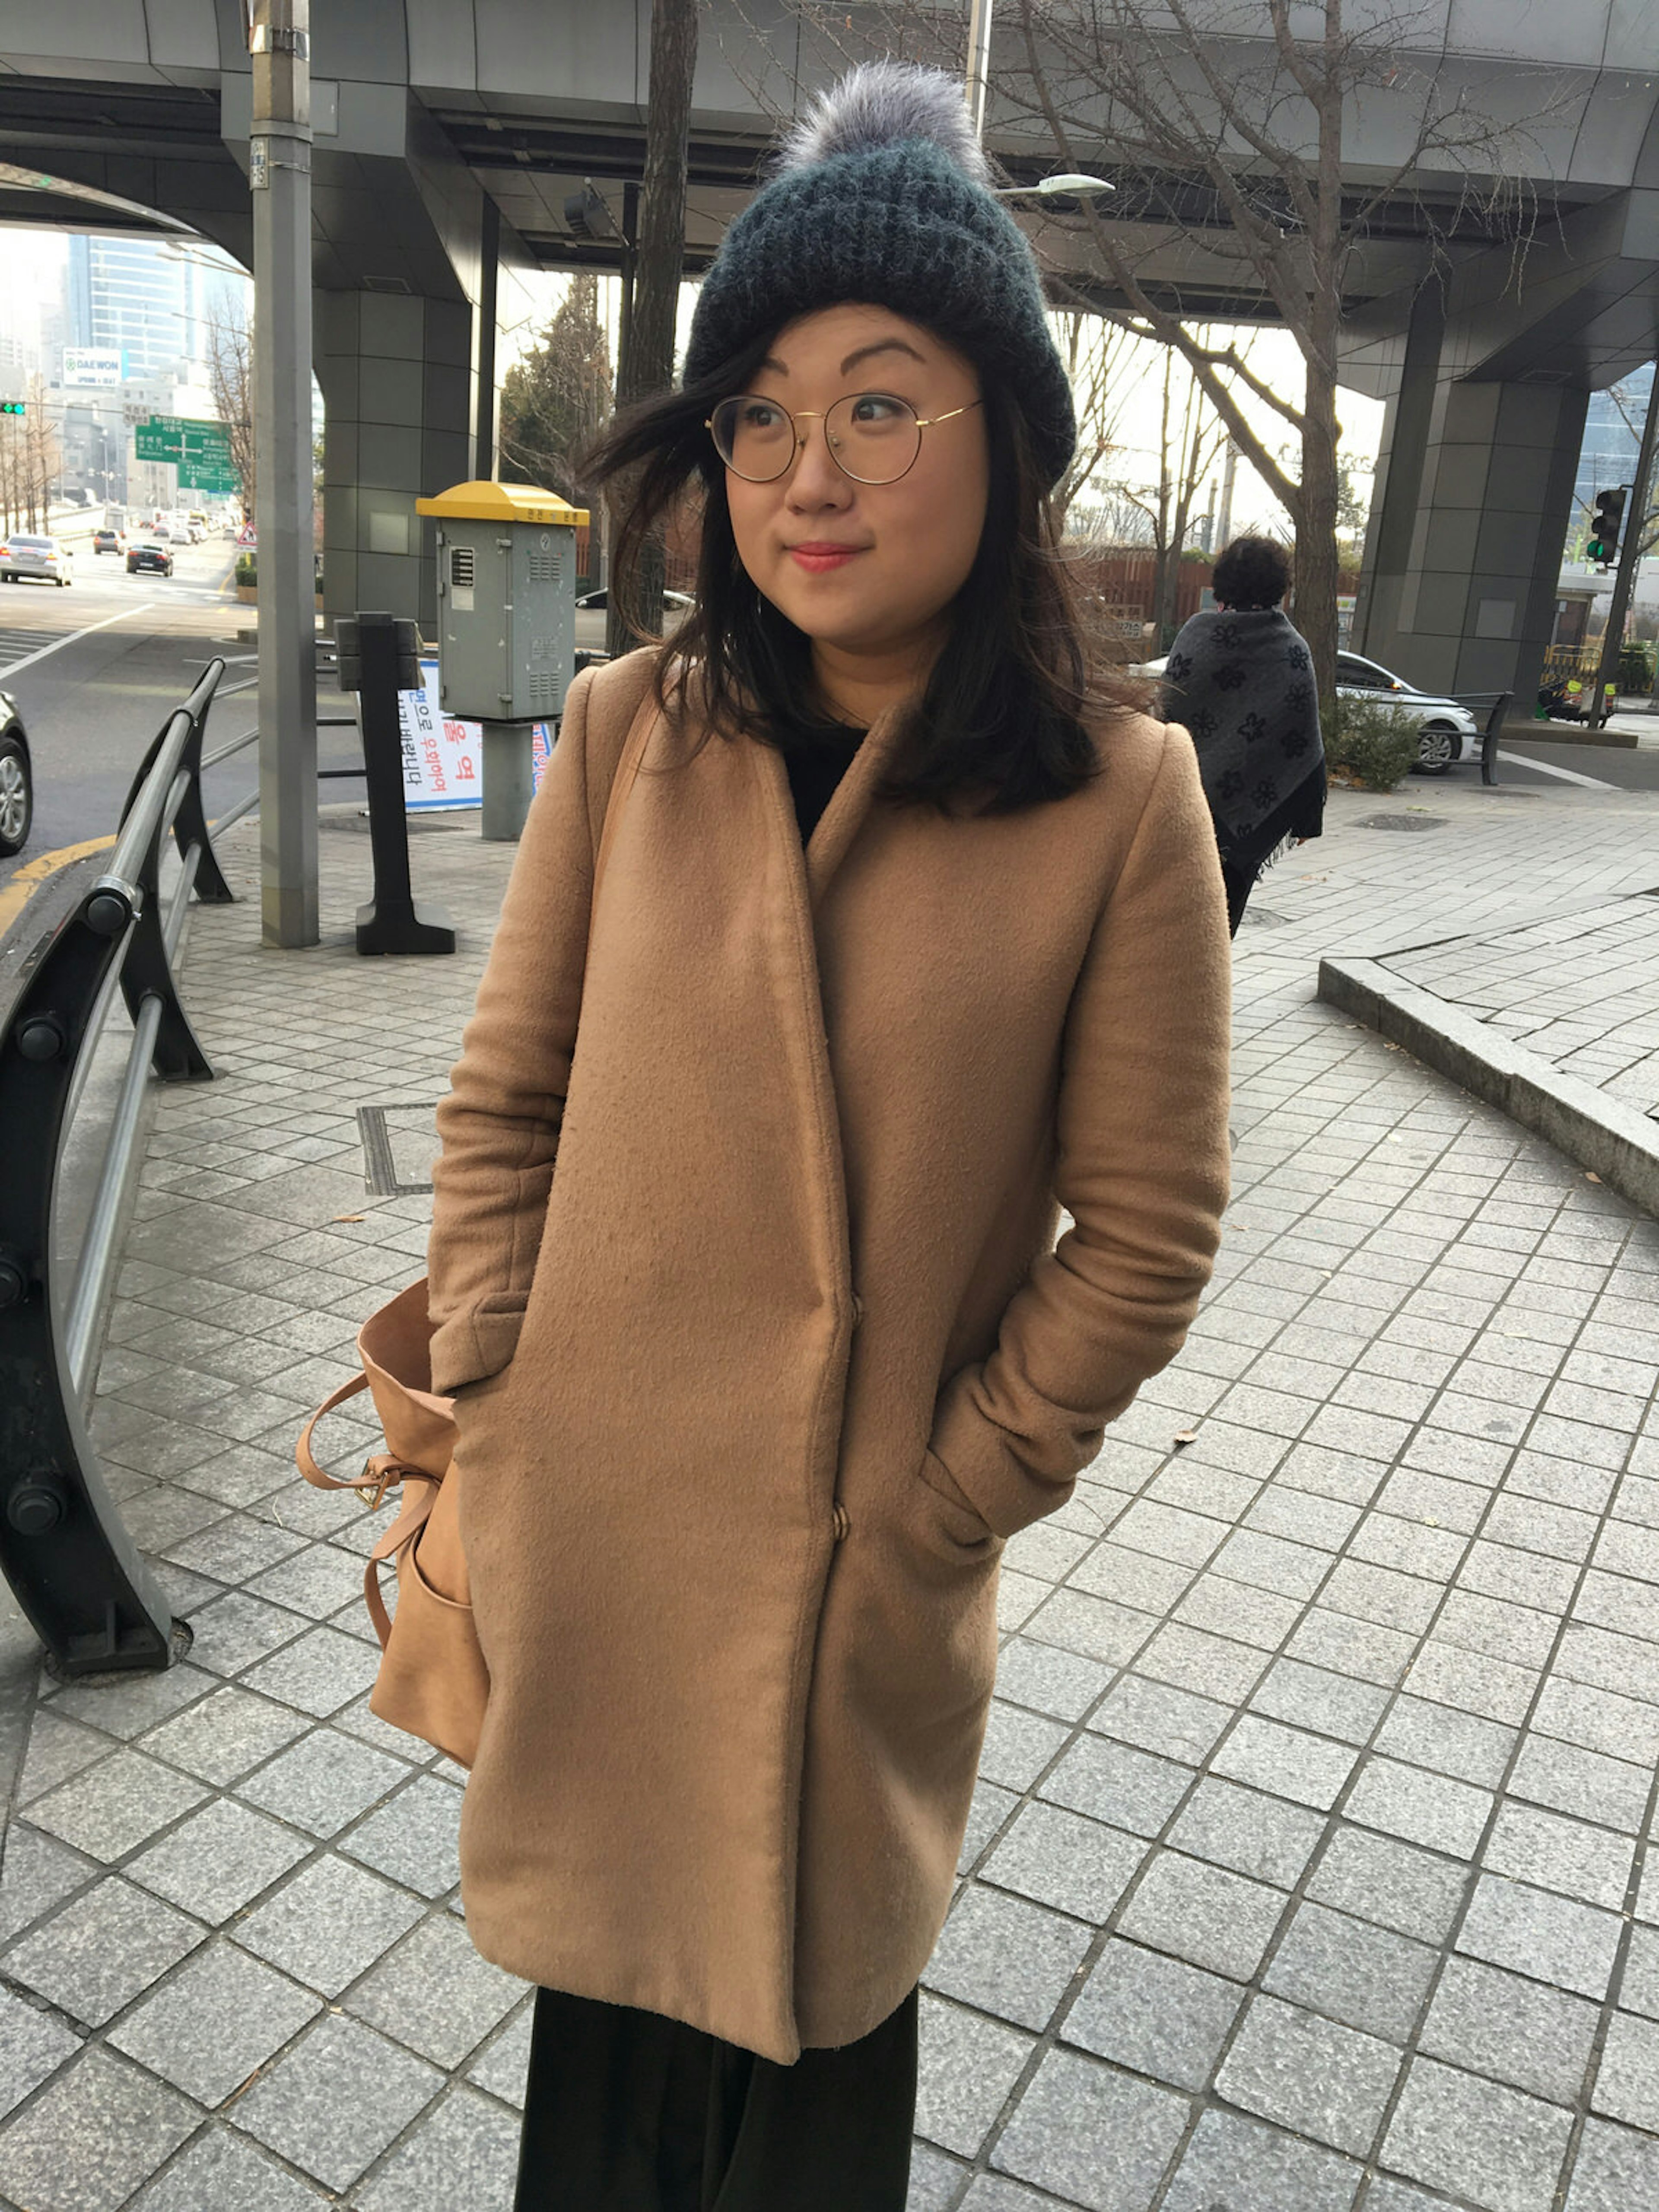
<point>979,61</point>
<point>279,178</point>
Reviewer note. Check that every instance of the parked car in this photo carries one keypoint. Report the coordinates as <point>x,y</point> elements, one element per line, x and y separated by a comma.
<point>47,559</point>
<point>149,553</point>
<point>109,541</point>
<point>16,780</point>
<point>675,603</point>
<point>1447,733</point>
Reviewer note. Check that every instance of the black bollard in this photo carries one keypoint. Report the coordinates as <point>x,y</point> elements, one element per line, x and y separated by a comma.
<point>379,657</point>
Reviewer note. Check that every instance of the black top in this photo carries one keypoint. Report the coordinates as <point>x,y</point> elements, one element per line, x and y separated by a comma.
<point>816,755</point>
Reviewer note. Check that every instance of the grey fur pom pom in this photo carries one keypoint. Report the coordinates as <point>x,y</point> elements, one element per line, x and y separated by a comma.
<point>877,104</point>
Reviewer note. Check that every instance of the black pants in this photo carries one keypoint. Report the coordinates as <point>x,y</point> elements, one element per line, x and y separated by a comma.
<point>626,2112</point>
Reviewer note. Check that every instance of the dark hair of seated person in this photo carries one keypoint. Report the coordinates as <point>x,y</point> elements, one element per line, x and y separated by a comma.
<point>1251,573</point>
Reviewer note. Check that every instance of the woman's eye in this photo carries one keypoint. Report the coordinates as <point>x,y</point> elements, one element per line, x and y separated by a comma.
<point>876,407</point>
<point>759,417</point>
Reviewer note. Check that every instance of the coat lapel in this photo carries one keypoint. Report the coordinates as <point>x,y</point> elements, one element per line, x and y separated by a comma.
<point>848,808</point>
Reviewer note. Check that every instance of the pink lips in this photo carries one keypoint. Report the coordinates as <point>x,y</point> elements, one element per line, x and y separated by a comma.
<point>817,559</point>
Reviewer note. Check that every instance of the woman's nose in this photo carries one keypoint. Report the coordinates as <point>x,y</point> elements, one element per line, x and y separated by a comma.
<point>814,480</point>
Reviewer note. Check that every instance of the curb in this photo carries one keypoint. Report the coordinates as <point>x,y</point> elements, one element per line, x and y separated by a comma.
<point>1613,1140</point>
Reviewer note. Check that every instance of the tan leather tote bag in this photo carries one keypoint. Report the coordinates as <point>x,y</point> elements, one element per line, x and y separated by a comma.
<point>432,1682</point>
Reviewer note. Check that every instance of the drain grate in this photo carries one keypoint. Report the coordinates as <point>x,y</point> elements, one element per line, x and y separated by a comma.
<point>379,1160</point>
<point>1401,822</point>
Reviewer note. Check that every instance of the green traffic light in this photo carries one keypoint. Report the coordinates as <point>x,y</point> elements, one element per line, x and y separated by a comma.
<point>14,406</point>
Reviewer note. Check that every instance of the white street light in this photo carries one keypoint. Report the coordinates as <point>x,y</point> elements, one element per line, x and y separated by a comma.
<point>1051,188</point>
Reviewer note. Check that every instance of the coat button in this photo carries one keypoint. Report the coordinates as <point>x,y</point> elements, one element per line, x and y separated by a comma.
<point>841,1524</point>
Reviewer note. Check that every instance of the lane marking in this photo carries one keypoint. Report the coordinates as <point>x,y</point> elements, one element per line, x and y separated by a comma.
<point>1548,768</point>
<point>29,658</point>
<point>25,881</point>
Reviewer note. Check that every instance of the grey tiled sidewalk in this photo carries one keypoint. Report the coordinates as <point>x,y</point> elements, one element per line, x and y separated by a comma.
<point>1308,1867</point>
<point>1581,989</point>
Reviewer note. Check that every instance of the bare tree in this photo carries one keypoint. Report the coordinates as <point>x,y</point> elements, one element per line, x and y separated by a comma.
<point>559,394</point>
<point>230,381</point>
<point>1225,121</point>
<point>1191,441</point>
<point>30,459</point>
<point>645,360</point>
<point>1099,359</point>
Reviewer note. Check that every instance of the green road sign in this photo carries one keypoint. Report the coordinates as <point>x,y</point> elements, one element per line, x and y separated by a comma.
<point>185,440</point>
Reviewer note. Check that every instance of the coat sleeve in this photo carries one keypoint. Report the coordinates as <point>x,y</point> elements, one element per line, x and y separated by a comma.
<point>499,1126</point>
<point>1141,1167</point>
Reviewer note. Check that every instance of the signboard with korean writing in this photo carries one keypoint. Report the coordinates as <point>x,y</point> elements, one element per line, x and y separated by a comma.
<point>443,756</point>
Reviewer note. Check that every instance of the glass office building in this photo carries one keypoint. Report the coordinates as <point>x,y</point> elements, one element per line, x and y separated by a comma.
<point>129,295</point>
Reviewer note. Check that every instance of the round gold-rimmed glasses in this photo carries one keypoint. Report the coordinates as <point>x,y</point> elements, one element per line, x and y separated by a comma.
<point>872,437</point>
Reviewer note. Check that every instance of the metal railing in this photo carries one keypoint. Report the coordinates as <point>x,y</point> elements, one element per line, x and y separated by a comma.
<point>71,1563</point>
<point>1494,706</point>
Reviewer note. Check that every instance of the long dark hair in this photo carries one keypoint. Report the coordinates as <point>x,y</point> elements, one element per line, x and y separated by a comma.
<point>1002,723</point>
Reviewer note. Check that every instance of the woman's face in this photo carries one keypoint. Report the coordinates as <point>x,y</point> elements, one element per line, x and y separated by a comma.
<point>866,570</point>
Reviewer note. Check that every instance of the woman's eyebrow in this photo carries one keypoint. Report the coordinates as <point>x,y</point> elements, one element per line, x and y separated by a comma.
<point>863,353</point>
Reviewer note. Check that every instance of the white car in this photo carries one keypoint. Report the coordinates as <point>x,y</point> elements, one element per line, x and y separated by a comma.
<point>1447,733</point>
<point>21,555</point>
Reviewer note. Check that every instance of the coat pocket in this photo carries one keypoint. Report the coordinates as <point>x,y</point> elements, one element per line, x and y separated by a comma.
<point>961,1531</point>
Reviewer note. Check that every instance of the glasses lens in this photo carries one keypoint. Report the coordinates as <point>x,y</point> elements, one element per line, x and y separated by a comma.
<point>753,437</point>
<point>875,437</point>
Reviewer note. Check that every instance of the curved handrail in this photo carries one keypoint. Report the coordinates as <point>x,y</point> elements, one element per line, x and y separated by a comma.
<point>70,1560</point>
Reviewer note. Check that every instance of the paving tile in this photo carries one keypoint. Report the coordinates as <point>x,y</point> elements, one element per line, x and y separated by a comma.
<point>222,1735</point>
<point>1422,1808</point>
<point>1314,1697</point>
<point>323,1782</point>
<point>109,1808</point>
<point>1415,1893</point>
<point>1153,2015</point>
<point>320,1671</point>
<point>1598,1720</point>
<point>127,1707</point>
<point>1048,1680</point>
<point>1062,1859</point>
<point>1130,1577</point>
<point>502,2066</point>
<point>967,2066</point>
<point>1553,1939</point>
<point>1552,1852</point>
<point>1005,1955</point>
<point>103,1946</point>
<point>1310,1769</point>
<point>329,1923</point>
<point>1463,1745</point>
<point>466,2151</point>
<point>33,2045</point>
<point>218,1860</point>
<point>237,1629</point>
<point>1627,2080</point>
<point>1159,1717</point>
<point>295,2107</point>
<point>1018,1745</point>
<point>1310,2074</point>
<point>988,1811</point>
<point>413,1838</point>
<point>37,1874</point>
<point>1476,2139</point>
<point>210,2024</point>
<point>936,2182</point>
<point>1247,1830</point>
<point>1247,2167</point>
<point>435,1993</point>
<point>1352,1971</point>
<point>1090,1625</point>
<point>218,2170</point>
<point>1203,1913</point>
<point>1245,1615</point>
<point>1113,1783</point>
<point>1488,2022</point>
<point>1212,1666</point>
<point>1346,1646</point>
<point>92,2136</point>
<point>1616,2170</point>
<point>1092,2136</point>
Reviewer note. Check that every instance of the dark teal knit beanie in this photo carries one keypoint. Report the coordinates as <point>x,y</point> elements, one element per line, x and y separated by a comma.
<point>880,196</point>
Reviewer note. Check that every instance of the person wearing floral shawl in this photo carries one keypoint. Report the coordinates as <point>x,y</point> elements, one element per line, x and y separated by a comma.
<point>1242,680</point>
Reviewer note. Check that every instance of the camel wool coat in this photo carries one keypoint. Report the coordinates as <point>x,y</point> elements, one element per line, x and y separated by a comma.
<point>743,1263</point>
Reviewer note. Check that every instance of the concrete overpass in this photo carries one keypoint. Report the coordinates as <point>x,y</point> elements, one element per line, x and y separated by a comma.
<point>449,134</point>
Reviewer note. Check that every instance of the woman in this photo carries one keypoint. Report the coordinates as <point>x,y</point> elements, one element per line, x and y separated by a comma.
<point>755,1386</point>
<point>1242,680</point>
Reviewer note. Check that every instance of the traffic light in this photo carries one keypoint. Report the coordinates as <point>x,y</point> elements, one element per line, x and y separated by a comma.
<point>14,407</point>
<point>1602,543</point>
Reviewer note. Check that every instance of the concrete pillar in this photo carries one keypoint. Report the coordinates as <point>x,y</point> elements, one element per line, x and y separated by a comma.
<point>397,376</point>
<point>1463,554</point>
